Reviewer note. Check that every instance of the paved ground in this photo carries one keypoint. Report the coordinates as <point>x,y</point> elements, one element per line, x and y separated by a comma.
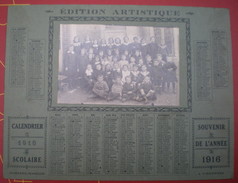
<point>78,96</point>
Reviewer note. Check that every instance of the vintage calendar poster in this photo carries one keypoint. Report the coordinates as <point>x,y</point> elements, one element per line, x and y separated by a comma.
<point>112,92</point>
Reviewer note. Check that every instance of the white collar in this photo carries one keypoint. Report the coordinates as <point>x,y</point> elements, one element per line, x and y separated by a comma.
<point>72,52</point>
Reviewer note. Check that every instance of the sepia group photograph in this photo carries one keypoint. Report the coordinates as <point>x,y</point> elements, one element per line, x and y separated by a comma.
<point>118,65</point>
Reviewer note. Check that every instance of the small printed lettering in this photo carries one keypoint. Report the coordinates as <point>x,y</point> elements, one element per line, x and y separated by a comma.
<point>211,127</point>
<point>161,13</point>
<point>216,143</point>
<point>211,143</point>
<point>130,12</point>
<point>83,11</point>
<point>26,159</point>
<point>27,126</point>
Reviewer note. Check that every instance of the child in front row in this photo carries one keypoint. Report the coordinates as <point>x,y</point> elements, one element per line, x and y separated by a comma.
<point>128,90</point>
<point>101,88</point>
<point>146,91</point>
<point>116,90</point>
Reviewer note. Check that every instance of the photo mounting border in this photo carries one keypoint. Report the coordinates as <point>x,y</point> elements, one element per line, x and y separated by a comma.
<point>81,107</point>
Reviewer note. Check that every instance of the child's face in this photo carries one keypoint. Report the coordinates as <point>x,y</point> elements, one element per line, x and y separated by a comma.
<point>71,48</point>
<point>128,80</point>
<point>159,57</point>
<point>135,68</point>
<point>89,67</point>
<point>108,67</point>
<point>141,62</point>
<point>156,62</point>
<point>152,39</point>
<point>96,59</point>
<point>110,40</point>
<point>126,39</point>
<point>123,57</point>
<point>101,53</point>
<point>116,66</point>
<point>148,59</point>
<point>125,68</point>
<point>147,80</point>
<point>143,68</point>
<point>100,78</point>
<point>83,51</point>
<point>118,80</point>
<point>109,52</point>
<point>132,60</point>
<point>90,51</point>
<point>118,41</point>
<point>98,67</point>
<point>90,56</point>
<point>136,39</point>
<point>142,41</point>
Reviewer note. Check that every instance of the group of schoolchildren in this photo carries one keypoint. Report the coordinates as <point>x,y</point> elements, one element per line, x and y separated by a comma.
<point>119,69</point>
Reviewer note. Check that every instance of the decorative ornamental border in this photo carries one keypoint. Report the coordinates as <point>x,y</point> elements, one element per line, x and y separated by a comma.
<point>81,107</point>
